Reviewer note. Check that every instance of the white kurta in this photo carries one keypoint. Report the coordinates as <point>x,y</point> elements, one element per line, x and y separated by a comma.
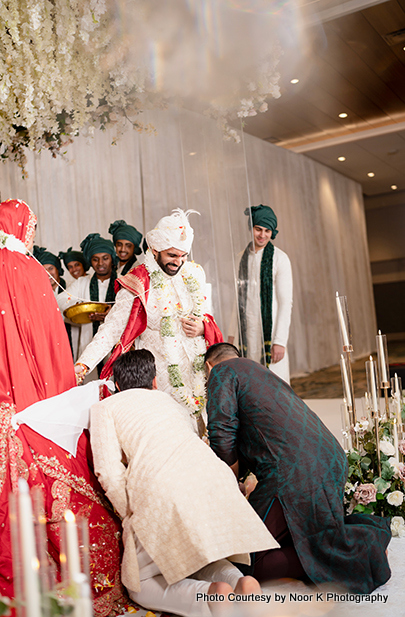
<point>179,498</point>
<point>281,309</point>
<point>186,348</point>
<point>80,288</point>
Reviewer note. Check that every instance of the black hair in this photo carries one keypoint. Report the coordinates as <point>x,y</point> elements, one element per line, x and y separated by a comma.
<point>135,369</point>
<point>221,351</point>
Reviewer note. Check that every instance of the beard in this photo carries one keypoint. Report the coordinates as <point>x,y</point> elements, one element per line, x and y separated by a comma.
<point>165,266</point>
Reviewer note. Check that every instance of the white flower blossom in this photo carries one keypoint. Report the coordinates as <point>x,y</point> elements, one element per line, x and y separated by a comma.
<point>387,448</point>
<point>395,498</point>
<point>398,526</point>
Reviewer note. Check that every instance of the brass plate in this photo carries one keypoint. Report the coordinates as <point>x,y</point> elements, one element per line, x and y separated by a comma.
<point>79,313</point>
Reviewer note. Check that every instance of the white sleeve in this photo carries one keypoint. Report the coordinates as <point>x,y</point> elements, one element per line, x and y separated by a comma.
<point>110,332</point>
<point>107,456</point>
<point>283,290</point>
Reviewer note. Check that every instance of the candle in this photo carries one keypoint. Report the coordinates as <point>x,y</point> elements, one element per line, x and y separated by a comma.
<point>398,399</point>
<point>30,563</point>
<point>72,547</point>
<point>347,391</point>
<point>342,322</point>
<point>396,445</point>
<point>381,355</point>
<point>373,386</point>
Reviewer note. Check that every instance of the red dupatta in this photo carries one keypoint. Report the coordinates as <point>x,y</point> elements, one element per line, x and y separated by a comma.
<point>35,357</point>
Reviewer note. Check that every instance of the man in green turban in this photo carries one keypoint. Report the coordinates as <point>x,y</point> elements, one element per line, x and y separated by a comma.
<point>75,262</point>
<point>100,253</point>
<point>53,266</point>
<point>127,240</point>
<point>264,295</point>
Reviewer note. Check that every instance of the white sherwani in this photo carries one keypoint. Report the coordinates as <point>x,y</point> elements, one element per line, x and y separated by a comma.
<point>80,288</point>
<point>185,348</point>
<point>182,502</point>
<point>281,309</point>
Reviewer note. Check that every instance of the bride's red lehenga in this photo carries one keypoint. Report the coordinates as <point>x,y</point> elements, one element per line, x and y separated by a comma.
<point>36,363</point>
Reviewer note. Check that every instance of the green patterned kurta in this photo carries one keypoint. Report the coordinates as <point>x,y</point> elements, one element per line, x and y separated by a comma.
<point>256,418</point>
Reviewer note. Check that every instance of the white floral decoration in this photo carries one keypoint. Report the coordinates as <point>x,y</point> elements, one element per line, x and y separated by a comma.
<point>10,242</point>
<point>387,448</point>
<point>395,498</point>
<point>398,526</point>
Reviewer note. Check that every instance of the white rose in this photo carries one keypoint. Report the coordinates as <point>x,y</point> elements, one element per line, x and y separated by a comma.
<point>395,498</point>
<point>398,526</point>
<point>396,465</point>
<point>387,448</point>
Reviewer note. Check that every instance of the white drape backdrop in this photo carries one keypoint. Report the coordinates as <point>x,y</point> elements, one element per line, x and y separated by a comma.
<point>189,165</point>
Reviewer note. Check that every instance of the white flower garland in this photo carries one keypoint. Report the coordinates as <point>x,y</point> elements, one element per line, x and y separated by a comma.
<point>10,242</point>
<point>193,397</point>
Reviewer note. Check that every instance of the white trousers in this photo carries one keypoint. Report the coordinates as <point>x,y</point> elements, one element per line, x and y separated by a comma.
<point>181,598</point>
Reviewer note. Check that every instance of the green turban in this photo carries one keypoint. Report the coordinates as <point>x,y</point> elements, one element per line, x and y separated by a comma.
<point>45,257</point>
<point>94,243</point>
<point>264,217</point>
<point>71,255</point>
<point>120,230</point>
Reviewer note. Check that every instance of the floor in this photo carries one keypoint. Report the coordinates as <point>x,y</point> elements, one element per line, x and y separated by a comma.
<point>327,383</point>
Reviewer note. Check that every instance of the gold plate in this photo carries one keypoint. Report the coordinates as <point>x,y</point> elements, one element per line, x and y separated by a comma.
<point>79,313</point>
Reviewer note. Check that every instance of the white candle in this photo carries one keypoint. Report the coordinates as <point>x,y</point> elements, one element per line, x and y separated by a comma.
<point>398,400</point>
<point>347,393</point>
<point>373,386</point>
<point>72,547</point>
<point>342,322</point>
<point>396,445</point>
<point>382,357</point>
<point>30,563</point>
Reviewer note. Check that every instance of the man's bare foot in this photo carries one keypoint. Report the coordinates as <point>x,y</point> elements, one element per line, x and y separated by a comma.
<point>222,590</point>
<point>248,584</point>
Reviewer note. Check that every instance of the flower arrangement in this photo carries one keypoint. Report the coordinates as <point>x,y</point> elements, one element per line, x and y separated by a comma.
<point>80,65</point>
<point>376,484</point>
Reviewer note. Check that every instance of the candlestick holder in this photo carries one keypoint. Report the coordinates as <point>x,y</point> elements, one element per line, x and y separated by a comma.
<point>383,369</point>
<point>371,372</point>
<point>346,428</point>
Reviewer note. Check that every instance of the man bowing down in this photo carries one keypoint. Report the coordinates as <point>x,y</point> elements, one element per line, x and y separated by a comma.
<point>256,421</point>
<point>161,306</point>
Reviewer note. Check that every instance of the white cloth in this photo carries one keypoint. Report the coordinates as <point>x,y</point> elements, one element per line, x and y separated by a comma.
<point>180,598</point>
<point>80,288</point>
<point>179,498</point>
<point>111,330</point>
<point>172,231</point>
<point>281,309</point>
<point>61,418</point>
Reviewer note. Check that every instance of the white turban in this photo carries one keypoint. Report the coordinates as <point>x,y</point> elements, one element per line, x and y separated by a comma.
<point>172,231</point>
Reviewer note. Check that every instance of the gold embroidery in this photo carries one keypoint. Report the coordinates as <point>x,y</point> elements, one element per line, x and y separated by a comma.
<point>61,495</point>
<point>32,221</point>
<point>52,467</point>
<point>11,449</point>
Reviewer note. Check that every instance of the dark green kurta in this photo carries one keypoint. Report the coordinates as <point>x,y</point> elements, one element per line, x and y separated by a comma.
<point>256,418</point>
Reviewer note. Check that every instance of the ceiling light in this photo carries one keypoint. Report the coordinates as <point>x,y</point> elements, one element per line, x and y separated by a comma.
<point>343,115</point>
<point>371,174</point>
<point>192,153</point>
<point>394,187</point>
<point>341,158</point>
<point>294,81</point>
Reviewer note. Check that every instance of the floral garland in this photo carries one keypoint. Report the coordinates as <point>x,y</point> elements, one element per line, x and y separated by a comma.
<point>194,397</point>
<point>10,242</point>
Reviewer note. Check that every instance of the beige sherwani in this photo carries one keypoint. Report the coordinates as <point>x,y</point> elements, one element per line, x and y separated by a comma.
<point>177,496</point>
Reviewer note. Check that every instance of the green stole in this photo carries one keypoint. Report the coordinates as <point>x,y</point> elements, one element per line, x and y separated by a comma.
<point>266,297</point>
<point>128,265</point>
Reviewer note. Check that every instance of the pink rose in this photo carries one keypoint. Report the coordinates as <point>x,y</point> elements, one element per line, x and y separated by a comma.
<point>365,494</point>
<point>401,446</point>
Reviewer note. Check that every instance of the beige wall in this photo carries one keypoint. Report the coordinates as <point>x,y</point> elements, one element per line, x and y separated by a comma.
<point>188,165</point>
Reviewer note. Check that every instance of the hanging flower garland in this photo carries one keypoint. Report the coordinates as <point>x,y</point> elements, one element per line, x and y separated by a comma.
<point>54,80</point>
<point>193,397</point>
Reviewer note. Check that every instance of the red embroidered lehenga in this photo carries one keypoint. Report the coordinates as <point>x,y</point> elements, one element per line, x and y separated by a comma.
<point>36,363</point>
